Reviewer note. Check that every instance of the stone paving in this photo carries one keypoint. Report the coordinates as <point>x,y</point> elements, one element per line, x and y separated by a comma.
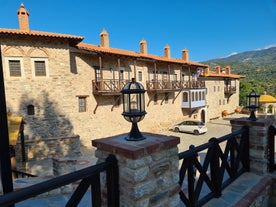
<point>216,128</point>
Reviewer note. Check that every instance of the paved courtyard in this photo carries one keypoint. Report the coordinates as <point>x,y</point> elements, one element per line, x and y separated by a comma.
<point>216,128</point>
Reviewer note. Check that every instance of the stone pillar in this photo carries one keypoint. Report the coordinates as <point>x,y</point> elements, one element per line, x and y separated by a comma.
<point>258,142</point>
<point>148,169</point>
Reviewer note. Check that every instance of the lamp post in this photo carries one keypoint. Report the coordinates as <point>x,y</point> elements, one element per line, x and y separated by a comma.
<point>253,104</point>
<point>134,108</point>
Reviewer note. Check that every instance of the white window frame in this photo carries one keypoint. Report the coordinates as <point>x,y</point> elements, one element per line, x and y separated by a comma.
<point>33,59</point>
<point>140,75</point>
<point>7,67</point>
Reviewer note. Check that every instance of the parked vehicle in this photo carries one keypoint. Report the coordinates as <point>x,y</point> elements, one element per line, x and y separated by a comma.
<point>191,126</point>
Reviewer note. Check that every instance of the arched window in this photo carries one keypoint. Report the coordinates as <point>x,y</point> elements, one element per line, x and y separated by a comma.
<point>30,110</point>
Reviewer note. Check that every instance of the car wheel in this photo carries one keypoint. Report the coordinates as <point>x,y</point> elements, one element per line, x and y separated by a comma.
<point>176,129</point>
<point>196,132</point>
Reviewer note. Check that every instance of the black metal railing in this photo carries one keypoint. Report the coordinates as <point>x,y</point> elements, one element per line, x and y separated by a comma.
<point>88,177</point>
<point>271,148</point>
<point>20,174</point>
<point>226,158</point>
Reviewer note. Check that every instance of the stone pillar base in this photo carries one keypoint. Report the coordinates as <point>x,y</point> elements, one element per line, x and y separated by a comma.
<point>148,169</point>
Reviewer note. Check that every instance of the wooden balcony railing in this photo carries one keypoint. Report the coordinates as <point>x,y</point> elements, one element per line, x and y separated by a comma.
<point>230,89</point>
<point>161,85</point>
<point>108,86</point>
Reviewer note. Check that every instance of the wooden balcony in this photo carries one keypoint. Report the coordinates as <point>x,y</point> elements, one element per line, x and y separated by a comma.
<point>161,86</point>
<point>108,86</point>
<point>230,89</point>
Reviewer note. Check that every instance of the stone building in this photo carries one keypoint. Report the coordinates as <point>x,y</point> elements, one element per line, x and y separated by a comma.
<point>62,86</point>
<point>222,94</point>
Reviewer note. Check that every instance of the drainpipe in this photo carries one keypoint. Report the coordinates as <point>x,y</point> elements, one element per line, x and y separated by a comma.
<point>5,159</point>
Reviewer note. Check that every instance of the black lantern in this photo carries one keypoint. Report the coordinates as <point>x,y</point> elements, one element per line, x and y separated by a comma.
<point>134,108</point>
<point>253,104</point>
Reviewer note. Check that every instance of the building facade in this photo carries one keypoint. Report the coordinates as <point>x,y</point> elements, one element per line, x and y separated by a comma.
<point>62,86</point>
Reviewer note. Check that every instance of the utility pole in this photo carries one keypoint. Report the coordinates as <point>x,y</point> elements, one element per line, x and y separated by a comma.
<point>5,160</point>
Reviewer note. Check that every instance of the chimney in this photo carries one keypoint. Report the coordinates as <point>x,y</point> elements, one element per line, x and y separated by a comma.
<point>167,51</point>
<point>143,47</point>
<point>206,71</point>
<point>185,55</point>
<point>218,69</point>
<point>104,40</point>
<point>23,18</point>
<point>228,70</point>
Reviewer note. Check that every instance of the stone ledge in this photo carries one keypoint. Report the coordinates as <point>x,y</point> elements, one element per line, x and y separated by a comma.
<point>136,149</point>
<point>242,192</point>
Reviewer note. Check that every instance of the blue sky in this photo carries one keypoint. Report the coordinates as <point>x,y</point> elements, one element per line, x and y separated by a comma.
<point>207,28</point>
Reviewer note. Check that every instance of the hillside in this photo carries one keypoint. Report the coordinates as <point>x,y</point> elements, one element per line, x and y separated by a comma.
<point>258,66</point>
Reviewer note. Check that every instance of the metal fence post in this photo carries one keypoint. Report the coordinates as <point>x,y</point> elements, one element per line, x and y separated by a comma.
<point>112,174</point>
<point>215,167</point>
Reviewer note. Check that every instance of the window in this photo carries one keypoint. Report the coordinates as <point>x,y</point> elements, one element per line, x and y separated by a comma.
<point>175,77</point>
<point>98,73</point>
<point>214,88</point>
<point>182,76</point>
<point>30,110</point>
<point>40,69</point>
<point>165,76</point>
<point>140,76</point>
<point>15,68</point>
<point>185,97</point>
<point>82,103</point>
<point>193,96</point>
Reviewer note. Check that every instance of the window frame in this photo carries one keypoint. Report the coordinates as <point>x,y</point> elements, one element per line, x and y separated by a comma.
<point>39,59</point>
<point>140,75</point>
<point>7,67</point>
<point>82,108</point>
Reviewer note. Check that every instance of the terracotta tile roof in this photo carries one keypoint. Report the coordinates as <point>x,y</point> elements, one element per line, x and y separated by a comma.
<point>116,51</point>
<point>71,38</point>
<point>222,75</point>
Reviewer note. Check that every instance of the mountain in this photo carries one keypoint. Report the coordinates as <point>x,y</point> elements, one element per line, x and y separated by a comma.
<point>255,65</point>
<point>258,66</point>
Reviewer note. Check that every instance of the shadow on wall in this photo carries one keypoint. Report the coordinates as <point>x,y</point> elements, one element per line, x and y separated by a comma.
<point>44,120</point>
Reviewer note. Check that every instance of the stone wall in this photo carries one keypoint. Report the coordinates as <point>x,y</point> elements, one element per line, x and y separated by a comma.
<point>217,100</point>
<point>148,169</point>
<point>40,149</point>
<point>69,75</point>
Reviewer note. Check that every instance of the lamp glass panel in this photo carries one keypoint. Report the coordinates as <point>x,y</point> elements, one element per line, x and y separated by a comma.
<point>126,103</point>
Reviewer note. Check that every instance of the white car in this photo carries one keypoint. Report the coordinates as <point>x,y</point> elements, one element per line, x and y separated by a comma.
<point>191,126</point>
